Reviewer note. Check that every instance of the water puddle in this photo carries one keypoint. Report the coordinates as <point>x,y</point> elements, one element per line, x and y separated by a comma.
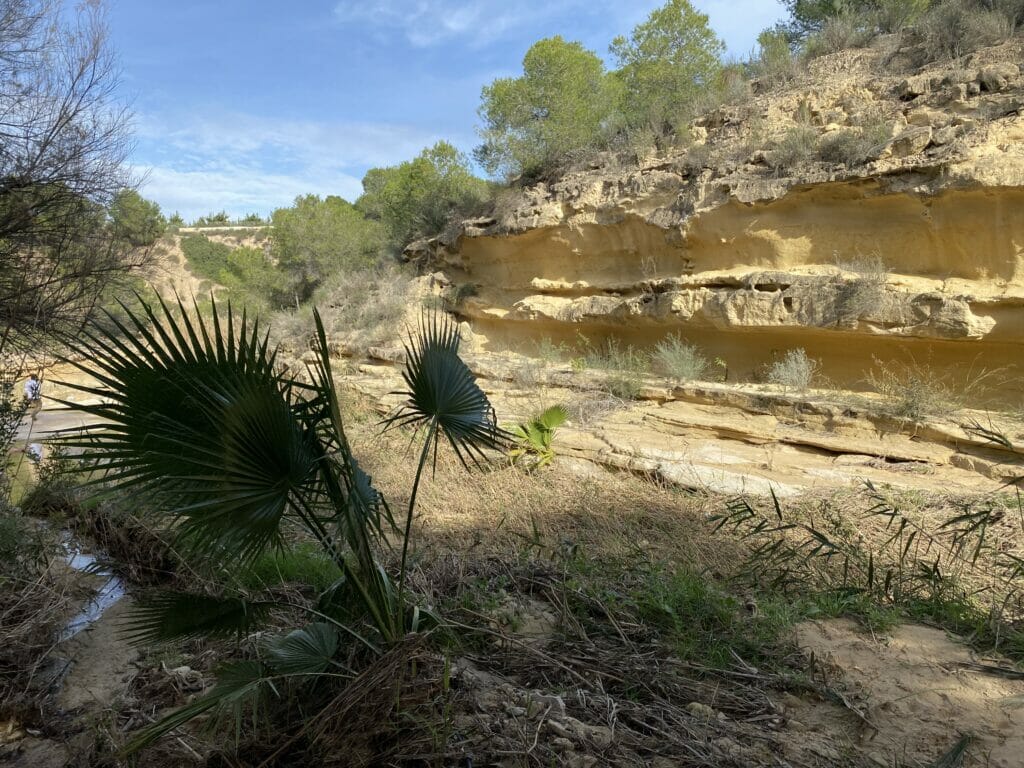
<point>109,593</point>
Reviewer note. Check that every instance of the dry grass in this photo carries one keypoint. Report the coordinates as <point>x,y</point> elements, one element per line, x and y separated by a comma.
<point>36,594</point>
<point>489,514</point>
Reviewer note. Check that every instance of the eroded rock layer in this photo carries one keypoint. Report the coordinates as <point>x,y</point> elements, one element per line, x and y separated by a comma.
<point>913,254</point>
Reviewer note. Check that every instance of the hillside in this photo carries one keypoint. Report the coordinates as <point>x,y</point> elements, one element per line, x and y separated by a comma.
<point>899,272</point>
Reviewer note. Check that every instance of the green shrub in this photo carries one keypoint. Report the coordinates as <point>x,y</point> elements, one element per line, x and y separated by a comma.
<point>775,63</point>
<point>854,147</point>
<point>798,146</point>
<point>559,109</point>
<point>666,63</point>
<point>794,371</point>
<point>680,361</point>
<point>417,198</point>
<point>318,238</point>
<point>204,257</point>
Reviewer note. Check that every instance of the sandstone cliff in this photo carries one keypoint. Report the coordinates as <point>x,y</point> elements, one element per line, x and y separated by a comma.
<point>755,238</point>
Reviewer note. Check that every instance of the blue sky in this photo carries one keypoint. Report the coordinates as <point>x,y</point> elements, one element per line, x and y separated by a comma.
<point>242,105</point>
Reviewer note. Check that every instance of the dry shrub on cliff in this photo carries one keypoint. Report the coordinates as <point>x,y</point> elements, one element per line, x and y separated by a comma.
<point>794,371</point>
<point>853,147</point>
<point>839,33</point>
<point>954,28</point>
<point>862,295</point>
<point>625,367</point>
<point>680,361</point>
<point>363,307</point>
<point>915,390</point>
<point>798,146</point>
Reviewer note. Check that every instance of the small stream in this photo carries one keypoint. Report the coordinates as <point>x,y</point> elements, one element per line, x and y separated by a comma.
<point>109,593</point>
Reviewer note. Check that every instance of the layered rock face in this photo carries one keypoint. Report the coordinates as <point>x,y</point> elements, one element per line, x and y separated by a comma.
<point>749,247</point>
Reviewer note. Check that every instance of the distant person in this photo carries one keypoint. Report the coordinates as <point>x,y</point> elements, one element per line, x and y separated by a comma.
<point>34,393</point>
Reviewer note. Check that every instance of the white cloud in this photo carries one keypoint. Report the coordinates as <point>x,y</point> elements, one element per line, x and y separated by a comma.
<point>237,190</point>
<point>429,22</point>
<point>244,163</point>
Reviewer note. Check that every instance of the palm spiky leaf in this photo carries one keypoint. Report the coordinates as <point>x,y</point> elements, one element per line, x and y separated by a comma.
<point>306,651</point>
<point>197,417</point>
<point>240,684</point>
<point>178,615</point>
<point>536,435</point>
<point>442,394</point>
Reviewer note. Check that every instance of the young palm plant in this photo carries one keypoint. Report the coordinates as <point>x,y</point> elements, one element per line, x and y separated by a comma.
<point>197,417</point>
<point>534,438</point>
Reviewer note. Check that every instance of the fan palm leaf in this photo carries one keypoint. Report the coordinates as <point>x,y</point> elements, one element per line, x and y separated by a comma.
<point>442,394</point>
<point>443,397</point>
<point>178,615</point>
<point>306,651</point>
<point>203,425</point>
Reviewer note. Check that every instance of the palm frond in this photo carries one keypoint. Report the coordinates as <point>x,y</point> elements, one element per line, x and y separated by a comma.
<point>553,418</point>
<point>442,391</point>
<point>197,417</point>
<point>239,684</point>
<point>306,651</point>
<point>177,615</point>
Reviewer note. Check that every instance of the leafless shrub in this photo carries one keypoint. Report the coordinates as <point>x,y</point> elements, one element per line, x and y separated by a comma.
<point>914,391</point>
<point>794,371</point>
<point>863,294</point>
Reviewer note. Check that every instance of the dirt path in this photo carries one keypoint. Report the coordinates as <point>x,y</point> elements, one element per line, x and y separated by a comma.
<point>921,691</point>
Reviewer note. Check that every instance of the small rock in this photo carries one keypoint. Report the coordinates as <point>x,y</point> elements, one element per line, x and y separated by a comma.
<point>998,77</point>
<point>913,87</point>
<point>515,711</point>
<point>910,142</point>
<point>538,703</point>
<point>945,136</point>
<point>559,729</point>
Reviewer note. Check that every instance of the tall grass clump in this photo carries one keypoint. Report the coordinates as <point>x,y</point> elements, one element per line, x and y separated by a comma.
<point>956,570</point>
<point>795,371</point>
<point>680,361</point>
<point>624,367</point>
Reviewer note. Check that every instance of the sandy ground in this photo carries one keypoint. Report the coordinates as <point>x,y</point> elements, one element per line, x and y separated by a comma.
<point>919,691</point>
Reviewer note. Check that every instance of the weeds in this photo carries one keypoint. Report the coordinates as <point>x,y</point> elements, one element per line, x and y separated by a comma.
<point>625,367</point>
<point>957,573</point>
<point>794,371</point>
<point>679,361</point>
